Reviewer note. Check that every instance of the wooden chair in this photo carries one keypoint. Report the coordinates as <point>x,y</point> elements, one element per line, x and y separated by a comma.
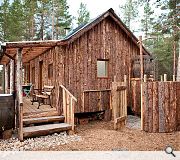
<point>46,94</point>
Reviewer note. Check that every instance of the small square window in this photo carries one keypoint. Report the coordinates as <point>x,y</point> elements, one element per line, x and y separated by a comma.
<point>50,71</point>
<point>102,68</point>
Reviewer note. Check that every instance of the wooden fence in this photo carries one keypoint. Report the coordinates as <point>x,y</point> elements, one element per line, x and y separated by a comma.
<point>119,103</point>
<point>136,95</point>
<point>160,106</point>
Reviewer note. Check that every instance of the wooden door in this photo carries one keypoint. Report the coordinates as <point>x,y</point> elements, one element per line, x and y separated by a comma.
<point>40,74</point>
<point>119,103</point>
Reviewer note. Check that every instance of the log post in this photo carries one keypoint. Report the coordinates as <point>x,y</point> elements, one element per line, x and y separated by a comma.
<point>161,78</point>
<point>141,58</point>
<point>19,91</point>
<point>6,78</point>
<point>174,78</point>
<point>11,76</point>
<point>165,77</point>
<point>142,109</point>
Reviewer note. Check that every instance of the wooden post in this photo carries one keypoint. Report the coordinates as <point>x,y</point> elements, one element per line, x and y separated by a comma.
<point>145,78</point>
<point>174,58</point>
<point>142,109</point>
<point>174,78</point>
<point>6,78</point>
<point>125,80</point>
<point>20,133</point>
<point>161,78</point>
<point>165,77</point>
<point>19,91</point>
<point>141,58</point>
<point>11,76</point>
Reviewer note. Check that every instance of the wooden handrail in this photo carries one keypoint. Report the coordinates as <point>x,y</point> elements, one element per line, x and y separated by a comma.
<point>68,92</point>
<point>68,106</point>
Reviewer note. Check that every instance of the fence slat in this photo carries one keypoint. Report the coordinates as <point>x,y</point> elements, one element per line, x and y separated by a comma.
<point>155,108</point>
<point>161,110</point>
<point>150,109</point>
<point>160,106</point>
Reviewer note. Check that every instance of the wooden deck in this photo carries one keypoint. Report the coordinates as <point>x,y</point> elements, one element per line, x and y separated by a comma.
<point>30,110</point>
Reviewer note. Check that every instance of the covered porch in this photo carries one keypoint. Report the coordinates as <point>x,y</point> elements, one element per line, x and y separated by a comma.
<point>15,56</point>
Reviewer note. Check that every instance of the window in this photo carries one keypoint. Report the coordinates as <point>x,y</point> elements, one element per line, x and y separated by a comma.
<point>102,68</point>
<point>33,75</point>
<point>50,71</point>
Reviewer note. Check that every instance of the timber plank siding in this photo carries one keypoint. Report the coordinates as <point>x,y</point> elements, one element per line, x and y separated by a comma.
<point>75,64</point>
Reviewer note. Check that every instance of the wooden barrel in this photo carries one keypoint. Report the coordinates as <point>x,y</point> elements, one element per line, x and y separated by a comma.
<point>7,112</point>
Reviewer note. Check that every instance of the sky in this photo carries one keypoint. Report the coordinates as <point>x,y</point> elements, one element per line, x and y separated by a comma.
<point>96,7</point>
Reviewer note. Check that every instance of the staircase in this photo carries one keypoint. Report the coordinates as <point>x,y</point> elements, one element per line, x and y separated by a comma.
<point>44,125</point>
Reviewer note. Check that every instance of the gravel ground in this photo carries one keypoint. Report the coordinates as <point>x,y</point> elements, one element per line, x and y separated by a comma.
<point>39,143</point>
<point>99,136</point>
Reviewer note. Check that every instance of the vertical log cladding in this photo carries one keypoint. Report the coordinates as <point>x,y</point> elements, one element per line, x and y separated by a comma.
<point>75,65</point>
<point>161,107</point>
<point>155,108</point>
<point>178,105</point>
<point>161,100</point>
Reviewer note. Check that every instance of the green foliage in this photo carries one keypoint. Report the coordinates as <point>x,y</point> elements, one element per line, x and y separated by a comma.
<point>147,20</point>
<point>62,18</point>
<point>129,12</point>
<point>33,19</point>
<point>4,20</point>
<point>83,14</point>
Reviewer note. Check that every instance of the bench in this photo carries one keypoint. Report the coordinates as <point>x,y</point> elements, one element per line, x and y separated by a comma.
<point>41,95</point>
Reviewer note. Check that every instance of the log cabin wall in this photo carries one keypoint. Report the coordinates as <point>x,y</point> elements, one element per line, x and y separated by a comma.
<point>75,64</point>
<point>54,57</point>
<point>104,41</point>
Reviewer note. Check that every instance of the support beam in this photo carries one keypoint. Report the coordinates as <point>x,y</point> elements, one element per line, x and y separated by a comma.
<point>19,92</point>
<point>11,76</point>
<point>19,74</point>
<point>6,78</point>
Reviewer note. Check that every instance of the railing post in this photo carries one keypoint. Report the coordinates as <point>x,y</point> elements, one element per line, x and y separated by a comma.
<point>174,78</point>
<point>64,105</point>
<point>165,77</point>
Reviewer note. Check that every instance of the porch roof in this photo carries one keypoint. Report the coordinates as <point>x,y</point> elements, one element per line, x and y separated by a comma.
<point>30,49</point>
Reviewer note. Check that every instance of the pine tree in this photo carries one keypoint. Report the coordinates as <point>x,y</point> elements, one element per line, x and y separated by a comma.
<point>61,18</point>
<point>4,20</point>
<point>42,19</point>
<point>129,12</point>
<point>30,8</point>
<point>147,20</point>
<point>83,14</point>
<point>16,23</point>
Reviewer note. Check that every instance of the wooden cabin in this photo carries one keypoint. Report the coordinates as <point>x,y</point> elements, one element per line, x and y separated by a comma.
<point>85,62</point>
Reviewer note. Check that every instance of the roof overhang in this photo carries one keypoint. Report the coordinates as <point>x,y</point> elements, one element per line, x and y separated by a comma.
<point>30,49</point>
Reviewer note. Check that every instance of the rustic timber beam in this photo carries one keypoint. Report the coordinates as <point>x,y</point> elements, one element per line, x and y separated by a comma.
<point>103,90</point>
<point>11,76</point>
<point>31,44</point>
<point>19,91</point>
<point>6,78</point>
<point>9,56</point>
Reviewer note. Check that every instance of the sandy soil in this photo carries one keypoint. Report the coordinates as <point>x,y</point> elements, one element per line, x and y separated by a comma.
<point>100,136</point>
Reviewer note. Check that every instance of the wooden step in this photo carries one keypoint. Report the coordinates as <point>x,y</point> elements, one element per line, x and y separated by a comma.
<point>45,129</point>
<point>43,120</point>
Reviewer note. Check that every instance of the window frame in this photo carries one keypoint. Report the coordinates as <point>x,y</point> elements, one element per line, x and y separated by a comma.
<point>106,67</point>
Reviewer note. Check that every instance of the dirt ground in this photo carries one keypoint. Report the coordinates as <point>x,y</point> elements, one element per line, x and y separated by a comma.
<point>100,136</point>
